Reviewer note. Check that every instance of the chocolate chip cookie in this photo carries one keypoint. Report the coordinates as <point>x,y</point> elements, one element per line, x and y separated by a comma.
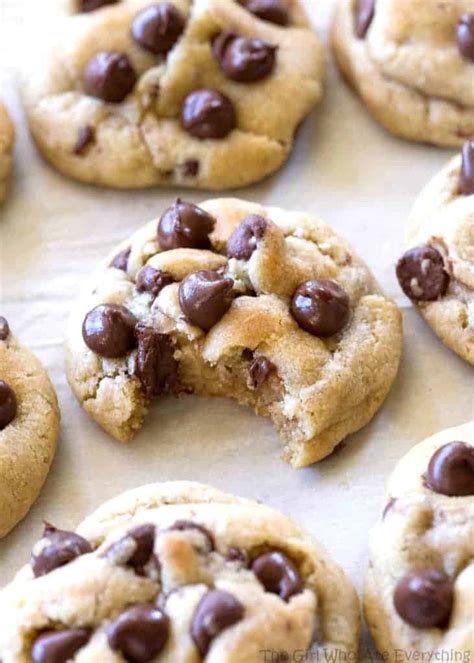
<point>437,271</point>
<point>420,582</point>
<point>412,63</point>
<point>205,94</point>
<point>29,423</point>
<point>230,298</point>
<point>178,572</point>
<point>7,138</point>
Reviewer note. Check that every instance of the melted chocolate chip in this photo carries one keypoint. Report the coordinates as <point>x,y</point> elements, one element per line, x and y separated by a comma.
<point>465,36</point>
<point>57,548</point>
<point>183,525</point>
<point>320,307</point>
<point>466,176</point>
<point>139,634</point>
<point>121,260</point>
<point>278,574</point>
<point>158,27</point>
<point>274,11</point>
<point>205,297</point>
<point>109,76</point>
<point>207,113</point>
<point>421,274</point>
<point>135,548</point>
<point>155,365</point>
<point>85,137</point>
<point>243,59</point>
<point>8,405</point>
<point>451,470</point>
<point>109,330</point>
<point>424,598</point>
<point>364,14</point>
<point>259,370</point>
<point>92,5</point>
<point>184,225</point>
<point>4,329</point>
<point>190,168</point>
<point>152,280</point>
<point>217,611</point>
<point>245,238</point>
<point>59,646</point>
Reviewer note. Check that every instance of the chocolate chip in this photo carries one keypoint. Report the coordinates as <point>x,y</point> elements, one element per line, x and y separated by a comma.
<point>85,137</point>
<point>243,59</point>
<point>466,176</point>
<point>451,470</point>
<point>278,574</point>
<point>59,646</point>
<point>424,598</point>
<point>55,549</point>
<point>184,225</point>
<point>8,405</point>
<point>216,611</point>
<point>108,330</point>
<point>158,27</point>
<point>139,634</point>
<point>155,365</point>
<point>259,370</point>
<point>237,555</point>
<point>364,14</point>
<point>183,525</point>
<point>152,280</point>
<point>320,307</point>
<point>207,113</point>
<point>244,240</point>
<point>465,36</point>
<point>205,297</point>
<point>109,76</point>
<point>121,260</point>
<point>389,506</point>
<point>92,5</point>
<point>4,329</point>
<point>190,168</point>
<point>135,548</point>
<point>274,11</point>
<point>421,274</point>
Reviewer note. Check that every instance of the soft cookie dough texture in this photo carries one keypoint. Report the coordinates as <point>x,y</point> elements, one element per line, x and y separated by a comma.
<point>7,138</point>
<point>407,66</point>
<point>28,441</point>
<point>139,142</point>
<point>423,528</point>
<point>443,219</point>
<point>316,389</point>
<point>197,547</point>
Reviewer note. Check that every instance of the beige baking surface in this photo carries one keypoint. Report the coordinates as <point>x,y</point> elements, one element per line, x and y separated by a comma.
<point>52,234</point>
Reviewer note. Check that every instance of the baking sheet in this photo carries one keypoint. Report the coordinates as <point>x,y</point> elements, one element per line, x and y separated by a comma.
<point>54,231</point>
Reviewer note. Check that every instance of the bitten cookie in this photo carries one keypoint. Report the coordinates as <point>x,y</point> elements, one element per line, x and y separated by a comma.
<point>178,572</point>
<point>420,583</point>
<point>437,271</point>
<point>234,299</point>
<point>7,139</point>
<point>204,94</point>
<point>29,424</point>
<point>412,63</point>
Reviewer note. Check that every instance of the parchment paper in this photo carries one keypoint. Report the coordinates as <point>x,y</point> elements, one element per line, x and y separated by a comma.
<point>54,231</point>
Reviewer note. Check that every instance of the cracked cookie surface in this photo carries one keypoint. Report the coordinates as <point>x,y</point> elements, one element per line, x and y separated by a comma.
<point>412,63</point>
<point>437,271</point>
<point>7,139</point>
<point>420,582</point>
<point>29,425</point>
<point>269,307</point>
<point>173,572</point>
<point>205,94</point>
